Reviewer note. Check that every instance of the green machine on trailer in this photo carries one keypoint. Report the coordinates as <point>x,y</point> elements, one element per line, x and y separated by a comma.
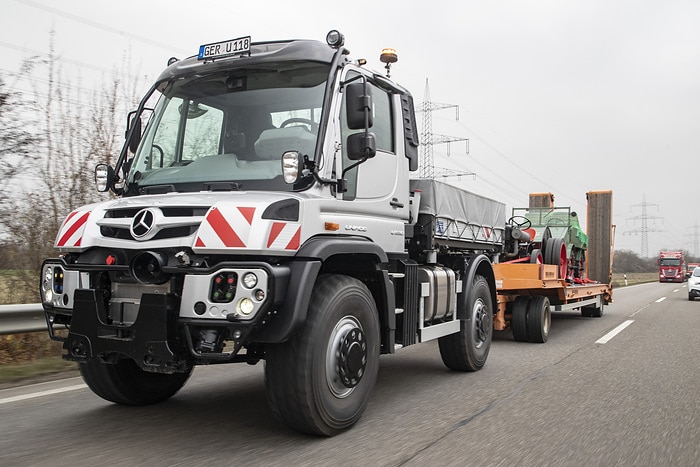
<point>555,233</point>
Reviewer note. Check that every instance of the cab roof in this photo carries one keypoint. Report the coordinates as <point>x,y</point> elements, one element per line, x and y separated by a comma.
<point>260,53</point>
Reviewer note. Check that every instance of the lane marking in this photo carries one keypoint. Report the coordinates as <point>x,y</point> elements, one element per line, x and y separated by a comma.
<point>661,300</point>
<point>33,395</point>
<point>606,338</point>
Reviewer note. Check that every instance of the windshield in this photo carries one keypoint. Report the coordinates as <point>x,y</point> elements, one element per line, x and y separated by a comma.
<point>670,262</point>
<point>228,131</point>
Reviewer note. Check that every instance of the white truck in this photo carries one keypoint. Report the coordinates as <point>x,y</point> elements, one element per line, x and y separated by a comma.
<point>266,212</point>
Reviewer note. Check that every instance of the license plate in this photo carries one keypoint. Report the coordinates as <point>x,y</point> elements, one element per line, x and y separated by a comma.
<point>224,49</point>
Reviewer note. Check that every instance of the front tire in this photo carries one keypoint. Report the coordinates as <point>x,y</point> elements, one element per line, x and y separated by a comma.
<point>126,384</point>
<point>468,349</point>
<point>319,381</point>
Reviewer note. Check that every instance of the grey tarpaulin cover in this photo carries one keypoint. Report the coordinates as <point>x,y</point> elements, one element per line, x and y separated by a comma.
<point>459,214</point>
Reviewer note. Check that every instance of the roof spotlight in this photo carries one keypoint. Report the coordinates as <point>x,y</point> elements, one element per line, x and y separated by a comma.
<point>335,39</point>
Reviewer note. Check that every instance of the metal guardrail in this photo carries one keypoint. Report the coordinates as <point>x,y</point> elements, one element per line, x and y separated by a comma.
<point>16,319</point>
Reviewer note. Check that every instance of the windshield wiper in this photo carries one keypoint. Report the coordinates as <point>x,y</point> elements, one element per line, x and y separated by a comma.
<point>157,189</point>
<point>223,186</point>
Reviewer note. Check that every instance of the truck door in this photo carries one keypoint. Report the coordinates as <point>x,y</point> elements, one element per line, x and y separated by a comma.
<point>378,187</point>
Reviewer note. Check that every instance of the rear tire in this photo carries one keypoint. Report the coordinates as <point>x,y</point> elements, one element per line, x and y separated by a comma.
<point>539,320</point>
<point>126,384</point>
<point>592,311</point>
<point>518,319</point>
<point>468,349</point>
<point>319,381</point>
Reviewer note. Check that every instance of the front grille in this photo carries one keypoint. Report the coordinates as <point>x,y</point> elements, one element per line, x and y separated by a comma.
<point>125,234</point>
<point>176,222</point>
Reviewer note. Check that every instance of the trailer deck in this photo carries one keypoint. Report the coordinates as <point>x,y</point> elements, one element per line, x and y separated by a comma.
<point>514,280</point>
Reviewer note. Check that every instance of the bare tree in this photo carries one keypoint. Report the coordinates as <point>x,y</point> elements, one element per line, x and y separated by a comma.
<point>76,129</point>
<point>16,142</point>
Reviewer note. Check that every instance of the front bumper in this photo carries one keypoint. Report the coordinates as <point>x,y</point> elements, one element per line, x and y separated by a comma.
<point>164,328</point>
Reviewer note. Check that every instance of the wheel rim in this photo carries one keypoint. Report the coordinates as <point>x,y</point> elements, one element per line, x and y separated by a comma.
<point>346,357</point>
<point>482,323</point>
<point>547,321</point>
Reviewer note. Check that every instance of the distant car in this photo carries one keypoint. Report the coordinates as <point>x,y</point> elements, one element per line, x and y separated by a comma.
<point>694,284</point>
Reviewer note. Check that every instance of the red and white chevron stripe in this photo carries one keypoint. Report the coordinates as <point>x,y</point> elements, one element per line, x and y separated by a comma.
<point>237,227</point>
<point>71,232</point>
<point>226,229</point>
<point>284,236</point>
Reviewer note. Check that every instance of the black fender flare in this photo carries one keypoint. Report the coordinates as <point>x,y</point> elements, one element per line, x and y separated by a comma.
<point>482,266</point>
<point>304,270</point>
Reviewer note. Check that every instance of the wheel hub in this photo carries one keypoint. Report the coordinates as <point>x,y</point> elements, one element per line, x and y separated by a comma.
<point>482,324</point>
<point>352,358</point>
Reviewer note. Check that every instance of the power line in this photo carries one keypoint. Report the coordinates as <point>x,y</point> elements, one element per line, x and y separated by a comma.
<point>426,167</point>
<point>102,26</point>
<point>644,230</point>
<point>68,61</point>
<point>696,238</point>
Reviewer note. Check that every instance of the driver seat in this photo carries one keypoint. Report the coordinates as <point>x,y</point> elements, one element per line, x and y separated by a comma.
<point>253,122</point>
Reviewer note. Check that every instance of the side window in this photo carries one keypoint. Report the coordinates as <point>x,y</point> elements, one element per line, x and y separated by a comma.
<point>382,128</point>
<point>163,148</point>
<point>200,132</point>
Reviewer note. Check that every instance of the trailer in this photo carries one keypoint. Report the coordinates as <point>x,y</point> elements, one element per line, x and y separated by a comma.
<point>529,290</point>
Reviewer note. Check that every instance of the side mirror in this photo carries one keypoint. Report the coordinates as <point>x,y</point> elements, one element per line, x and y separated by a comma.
<point>292,165</point>
<point>358,105</point>
<point>361,146</point>
<point>104,177</point>
<point>135,133</point>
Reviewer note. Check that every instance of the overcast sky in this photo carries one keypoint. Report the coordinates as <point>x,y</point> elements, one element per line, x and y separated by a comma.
<point>559,96</point>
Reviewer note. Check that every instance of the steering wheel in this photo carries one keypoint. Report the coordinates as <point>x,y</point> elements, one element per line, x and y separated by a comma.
<point>313,125</point>
<point>521,222</point>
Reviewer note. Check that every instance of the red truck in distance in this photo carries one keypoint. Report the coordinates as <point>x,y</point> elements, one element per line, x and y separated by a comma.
<point>671,266</point>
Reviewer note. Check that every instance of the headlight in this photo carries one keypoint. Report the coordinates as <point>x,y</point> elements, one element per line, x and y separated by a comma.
<point>245,306</point>
<point>250,280</point>
<point>48,295</point>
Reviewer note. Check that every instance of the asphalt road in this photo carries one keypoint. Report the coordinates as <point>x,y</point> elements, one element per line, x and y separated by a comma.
<point>633,400</point>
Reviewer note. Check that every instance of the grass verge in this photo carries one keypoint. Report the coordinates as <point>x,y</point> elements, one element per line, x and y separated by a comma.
<point>36,371</point>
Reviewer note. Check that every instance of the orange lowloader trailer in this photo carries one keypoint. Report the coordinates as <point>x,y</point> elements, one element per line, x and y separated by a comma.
<point>528,292</point>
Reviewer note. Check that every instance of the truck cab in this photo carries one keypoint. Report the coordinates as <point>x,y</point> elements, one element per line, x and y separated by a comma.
<point>263,211</point>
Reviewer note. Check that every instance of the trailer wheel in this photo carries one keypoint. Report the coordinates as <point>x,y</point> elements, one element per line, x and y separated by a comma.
<point>126,384</point>
<point>319,381</point>
<point>592,311</point>
<point>468,349</point>
<point>539,319</point>
<point>518,319</point>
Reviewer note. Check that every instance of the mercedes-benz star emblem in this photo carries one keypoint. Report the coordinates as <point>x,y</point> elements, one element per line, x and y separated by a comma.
<point>143,222</point>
